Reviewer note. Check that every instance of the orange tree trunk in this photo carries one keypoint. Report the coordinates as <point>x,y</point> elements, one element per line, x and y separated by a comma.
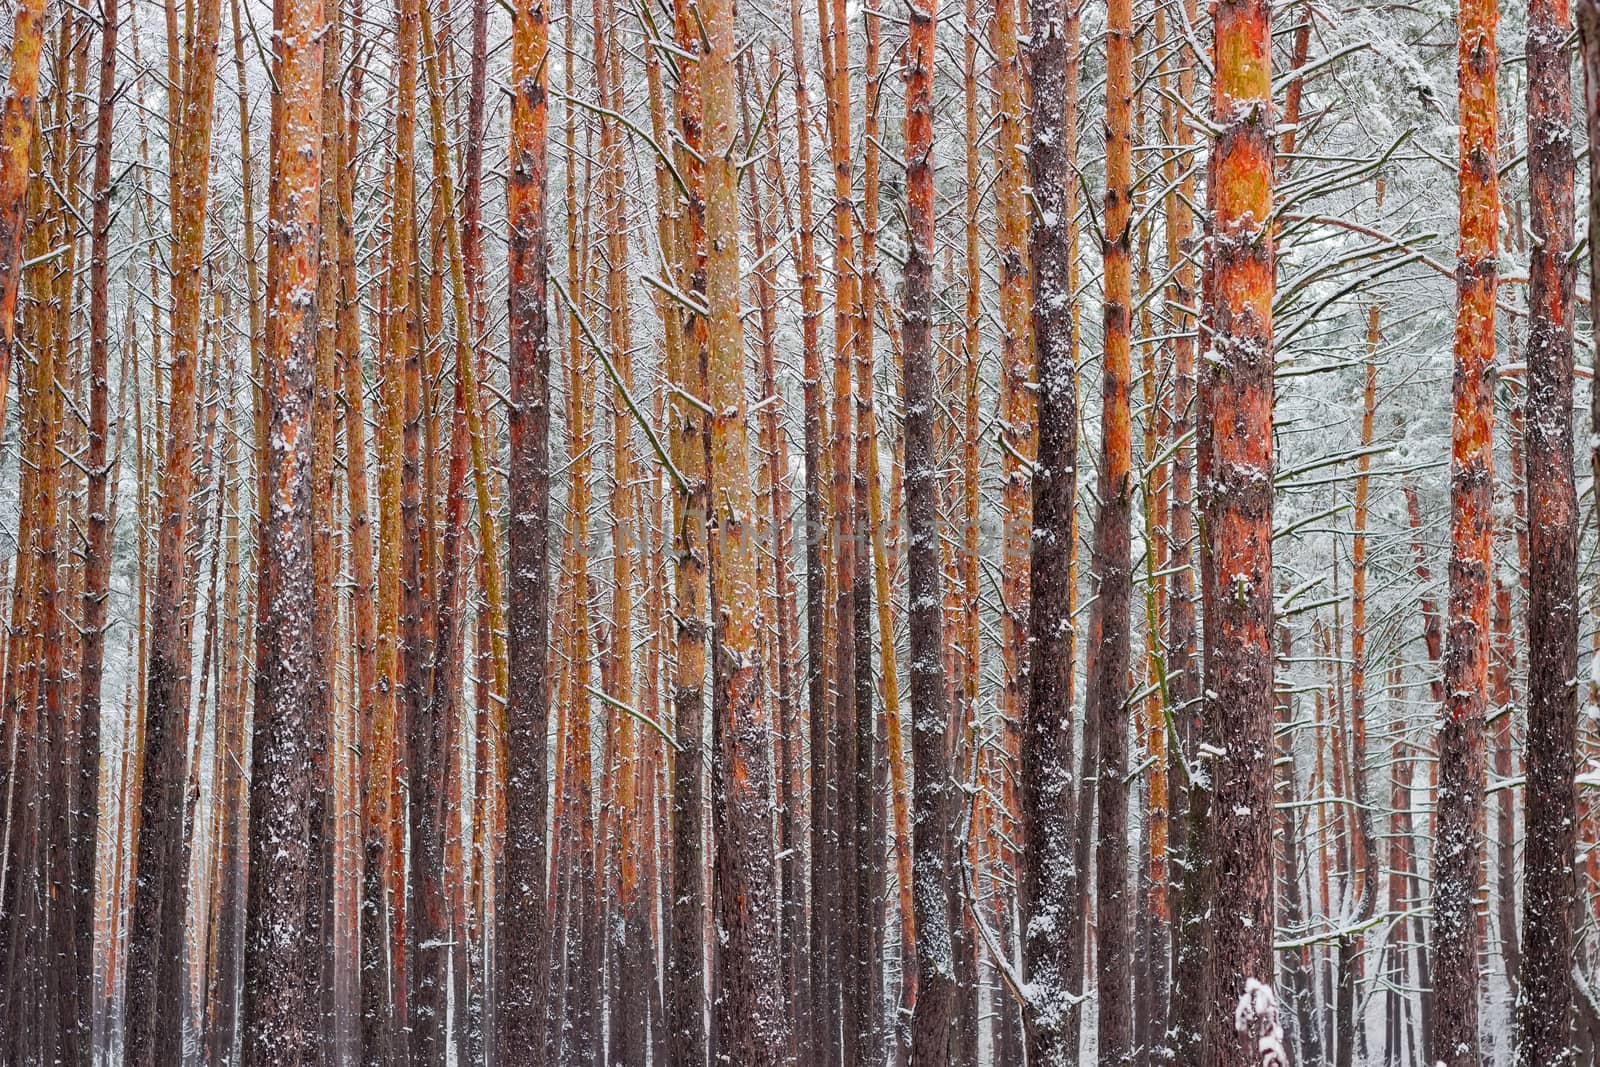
<point>1182,669</point>
<point>775,442</point>
<point>1235,468</point>
<point>1106,696</point>
<point>1455,932</point>
<point>280,1012</point>
<point>812,1038</point>
<point>752,1026</point>
<point>155,950</point>
<point>1544,1008</point>
<point>98,542</point>
<point>842,912</point>
<point>17,119</point>
<point>1017,415</point>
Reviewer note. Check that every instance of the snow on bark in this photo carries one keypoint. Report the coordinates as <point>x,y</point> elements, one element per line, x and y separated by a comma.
<point>280,1011</point>
<point>751,1019</point>
<point>1544,980</point>
<point>1455,935</point>
<point>1235,466</point>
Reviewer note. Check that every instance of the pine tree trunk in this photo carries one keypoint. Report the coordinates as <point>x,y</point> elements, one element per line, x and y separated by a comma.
<point>752,1026</point>
<point>1544,1006</point>
<point>813,1035</point>
<point>155,951</point>
<point>523,935</point>
<point>1107,693</point>
<point>280,1012</point>
<point>686,966</point>
<point>1235,470</point>
<point>98,541</point>
<point>935,900</point>
<point>18,114</point>
<point>1455,935</point>
<point>1049,880</point>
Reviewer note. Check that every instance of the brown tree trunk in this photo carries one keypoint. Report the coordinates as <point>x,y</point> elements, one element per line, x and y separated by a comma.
<point>17,120</point>
<point>523,935</point>
<point>1050,881</point>
<point>1544,1006</point>
<point>155,950</point>
<point>935,900</point>
<point>280,1013</point>
<point>1107,693</point>
<point>98,541</point>
<point>686,967</point>
<point>813,1039</point>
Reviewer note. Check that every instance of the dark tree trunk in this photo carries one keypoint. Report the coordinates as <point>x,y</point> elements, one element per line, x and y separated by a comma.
<point>1544,1005</point>
<point>155,948</point>
<point>523,915</point>
<point>98,543</point>
<point>1107,691</point>
<point>935,897</point>
<point>686,968</point>
<point>1050,876</point>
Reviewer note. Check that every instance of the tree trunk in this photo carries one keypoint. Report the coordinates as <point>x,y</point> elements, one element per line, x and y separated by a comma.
<point>1454,939</point>
<point>155,950</point>
<point>1050,881</point>
<point>686,967</point>
<point>1107,691</point>
<point>1544,1005</point>
<point>99,540</point>
<point>935,900</point>
<point>1235,469</point>
<point>280,1012</point>
<point>17,119</point>
<point>752,1027</point>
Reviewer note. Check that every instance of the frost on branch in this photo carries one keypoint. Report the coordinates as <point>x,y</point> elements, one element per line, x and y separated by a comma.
<point>1256,1015</point>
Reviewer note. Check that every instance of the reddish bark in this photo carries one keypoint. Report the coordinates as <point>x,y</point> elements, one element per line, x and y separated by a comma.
<point>1459,829</point>
<point>280,1012</point>
<point>1235,469</point>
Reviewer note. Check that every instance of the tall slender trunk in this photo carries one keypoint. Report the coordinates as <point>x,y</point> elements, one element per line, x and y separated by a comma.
<point>1363,874</point>
<point>98,541</point>
<point>320,958</point>
<point>1455,935</point>
<point>1050,880</point>
<point>1018,416</point>
<point>18,115</point>
<point>935,900</point>
<point>280,1012</point>
<point>752,1027</point>
<point>843,911</point>
<point>686,966</point>
<point>1107,696</point>
<point>523,933</point>
<point>1544,1005</point>
<point>1235,469</point>
<point>814,1039</point>
<point>155,951</point>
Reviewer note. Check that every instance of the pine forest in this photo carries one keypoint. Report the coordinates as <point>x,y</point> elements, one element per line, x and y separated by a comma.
<point>799,533</point>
